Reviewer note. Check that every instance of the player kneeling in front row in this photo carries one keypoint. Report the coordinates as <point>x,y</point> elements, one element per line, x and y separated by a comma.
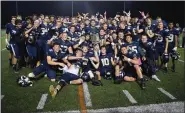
<point>129,68</point>
<point>71,74</point>
<point>55,60</point>
<point>105,64</point>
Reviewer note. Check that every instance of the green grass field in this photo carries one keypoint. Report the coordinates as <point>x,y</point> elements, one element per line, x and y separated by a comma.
<point>23,100</point>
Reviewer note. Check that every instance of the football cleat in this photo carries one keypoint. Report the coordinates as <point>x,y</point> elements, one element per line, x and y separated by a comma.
<point>96,82</point>
<point>155,78</point>
<point>166,70</point>
<point>31,75</point>
<point>143,84</point>
<point>118,80</point>
<point>52,91</point>
<point>173,68</point>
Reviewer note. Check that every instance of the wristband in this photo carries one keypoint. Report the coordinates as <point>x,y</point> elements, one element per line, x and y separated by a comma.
<point>129,59</point>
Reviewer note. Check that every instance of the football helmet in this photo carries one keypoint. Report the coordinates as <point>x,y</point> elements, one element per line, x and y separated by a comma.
<point>108,75</point>
<point>165,58</point>
<point>175,55</point>
<point>31,39</point>
<point>24,81</point>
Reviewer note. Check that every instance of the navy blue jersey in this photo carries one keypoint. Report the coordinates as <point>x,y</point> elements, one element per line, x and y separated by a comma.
<point>52,24</point>
<point>35,34</point>
<point>179,30</point>
<point>161,38</point>
<point>55,31</point>
<point>135,27</point>
<point>128,28</point>
<point>135,35</point>
<point>112,27</point>
<point>148,49</point>
<point>55,57</point>
<point>105,61</point>
<point>87,43</point>
<point>64,45</point>
<point>133,47</point>
<point>72,36</point>
<point>24,24</point>
<point>87,29</point>
<point>80,31</point>
<point>16,35</point>
<point>172,34</point>
<point>65,28</point>
<point>9,28</point>
<point>151,28</point>
<point>44,31</point>
<point>86,63</point>
<point>131,55</point>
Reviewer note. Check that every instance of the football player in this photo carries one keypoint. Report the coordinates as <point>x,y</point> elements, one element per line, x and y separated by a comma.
<point>161,45</point>
<point>73,37</point>
<point>137,29</point>
<point>106,64</point>
<point>32,35</point>
<point>65,45</point>
<point>44,36</point>
<point>129,68</point>
<point>172,40</point>
<point>148,57</point>
<point>55,60</point>
<point>9,26</point>
<point>149,28</point>
<point>71,75</point>
<point>88,58</point>
<point>16,43</point>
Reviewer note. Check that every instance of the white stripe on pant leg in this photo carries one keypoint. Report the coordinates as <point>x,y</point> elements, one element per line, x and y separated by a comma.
<point>166,93</point>
<point>2,96</point>
<point>12,49</point>
<point>42,101</point>
<point>87,95</point>
<point>129,96</point>
<point>27,50</point>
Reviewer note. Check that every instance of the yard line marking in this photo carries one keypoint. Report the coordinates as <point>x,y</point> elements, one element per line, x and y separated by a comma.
<point>87,95</point>
<point>166,93</point>
<point>129,96</point>
<point>70,111</point>
<point>42,101</point>
<point>172,107</point>
<point>83,108</point>
<point>180,60</point>
<point>2,96</point>
<point>3,49</point>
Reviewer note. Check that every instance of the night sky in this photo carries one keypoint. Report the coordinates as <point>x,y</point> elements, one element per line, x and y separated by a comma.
<point>168,10</point>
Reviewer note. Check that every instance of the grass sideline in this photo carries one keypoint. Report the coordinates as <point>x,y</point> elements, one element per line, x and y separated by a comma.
<point>19,100</point>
